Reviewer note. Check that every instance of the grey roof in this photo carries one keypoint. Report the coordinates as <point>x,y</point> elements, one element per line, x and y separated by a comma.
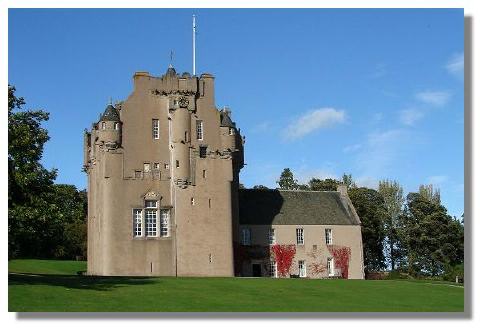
<point>225,120</point>
<point>286,207</point>
<point>171,71</point>
<point>110,114</point>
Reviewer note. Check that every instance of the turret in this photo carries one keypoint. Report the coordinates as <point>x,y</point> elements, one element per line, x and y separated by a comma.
<point>228,131</point>
<point>109,128</point>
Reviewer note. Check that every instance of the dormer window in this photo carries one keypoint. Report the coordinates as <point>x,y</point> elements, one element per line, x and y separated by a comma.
<point>117,126</point>
<point>104,125</point>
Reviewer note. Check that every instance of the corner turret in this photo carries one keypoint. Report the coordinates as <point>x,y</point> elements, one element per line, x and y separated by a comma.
<point>109,128</point>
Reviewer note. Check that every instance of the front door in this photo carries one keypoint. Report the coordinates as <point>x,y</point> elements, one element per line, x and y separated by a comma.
<point>256,270</point>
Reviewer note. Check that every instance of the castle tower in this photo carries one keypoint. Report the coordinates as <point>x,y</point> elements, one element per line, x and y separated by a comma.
<point>163,172</point>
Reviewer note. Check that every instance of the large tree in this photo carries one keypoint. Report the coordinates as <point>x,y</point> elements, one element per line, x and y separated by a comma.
<point>28,181</point>
<point>434,239</point>
<point>429,193</point>
<point>371,209</point>
<point>287,180</point>
<point>323,185</point>
<point>392,194</point>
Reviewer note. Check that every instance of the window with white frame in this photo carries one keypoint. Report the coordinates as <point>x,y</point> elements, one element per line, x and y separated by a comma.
<point>328,236</point>
<point>104,125</point>
<point>246,236</point>
<point>302,270</point>
<point>164,223</point>
<point>300,237</point>
<point>200,130</point>
<point>155,129</point>
<point>117,126</point>
<point>273,269</point>
<point>151,218</point>
<point>137,222</point>
<point>330,267</point>
<point>271,236</point>
<point>146,167</point>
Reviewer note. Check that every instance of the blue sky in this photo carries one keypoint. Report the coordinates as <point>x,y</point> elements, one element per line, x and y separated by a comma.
<point>374,93</point>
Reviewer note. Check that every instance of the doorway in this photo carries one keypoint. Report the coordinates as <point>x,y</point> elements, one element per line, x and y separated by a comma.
<point>256,270</point>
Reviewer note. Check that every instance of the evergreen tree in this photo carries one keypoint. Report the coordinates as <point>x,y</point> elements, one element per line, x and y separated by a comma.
<point>323,185</point>
<point>287,181</point>
<point>371,209</point>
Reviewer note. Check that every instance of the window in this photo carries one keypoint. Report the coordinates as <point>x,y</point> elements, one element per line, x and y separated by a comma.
<point>138,174</point>
<point>167,166</point>
<point>146,167</point>
<point>273,269</point>
<point>271,236</point>
<point>209,203</point>
<point>330,267</point>
<point>300,238</point>
<point>192,200</point>
<point>104,125</point>
<point>151,222</point>
<point>231,131</point>
<point>155,129</point>
<point>117,126</point>
<point>204,174</point>
<point>328,236</point>
<point>150,204</point>
<point>200,130</point>
<point>302,270</point>
<point>210,258</point>
<point>156,166</point>
<point>164,223</point>
<point>246,238</point>
<point>137,222</point>
<point>177,163</point>
<point>203,151</point>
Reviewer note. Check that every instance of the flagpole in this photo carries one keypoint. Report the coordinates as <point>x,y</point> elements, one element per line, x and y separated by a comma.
<point>194,30</point>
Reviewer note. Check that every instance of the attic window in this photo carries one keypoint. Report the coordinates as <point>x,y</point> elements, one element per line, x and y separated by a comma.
<point>104,125</point>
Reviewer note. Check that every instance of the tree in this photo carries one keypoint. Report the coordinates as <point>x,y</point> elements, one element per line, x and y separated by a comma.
<point>371,209</point>
<point>260,187</point>
<point>429,193</point>
<point>434,239</point>
<point>347,180</point>
<point>28,181</point>
<point>392,194</point>
<point>323,185</point>
<point>287,181</point>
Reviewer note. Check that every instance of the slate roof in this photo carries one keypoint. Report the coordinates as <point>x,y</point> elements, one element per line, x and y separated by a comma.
<point>225,120</point>
<point>110,114</point>
<point>285,207</point>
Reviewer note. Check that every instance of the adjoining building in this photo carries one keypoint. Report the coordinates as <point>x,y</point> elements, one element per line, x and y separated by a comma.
<point>163,195</point>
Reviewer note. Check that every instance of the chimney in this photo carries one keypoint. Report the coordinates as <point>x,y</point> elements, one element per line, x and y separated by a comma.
<point>342,189</point>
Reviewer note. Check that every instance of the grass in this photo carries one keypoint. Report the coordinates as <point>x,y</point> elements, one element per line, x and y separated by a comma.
<point>42,285</point>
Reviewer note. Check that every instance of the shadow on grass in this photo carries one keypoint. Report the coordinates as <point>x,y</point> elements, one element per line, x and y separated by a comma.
<point>77,282</point>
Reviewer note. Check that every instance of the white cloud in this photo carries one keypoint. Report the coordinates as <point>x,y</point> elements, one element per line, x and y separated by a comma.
<point>314,120</point>
<point>368,182</point>
<point>352,148</point>
<point>455,65</point>
<point>410,116</point>
<point>434,98</point>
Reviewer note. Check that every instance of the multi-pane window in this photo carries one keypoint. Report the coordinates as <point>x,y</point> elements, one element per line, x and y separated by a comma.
<point>271,236</point>
<point>146,167</point>
<point>151,222</point>
<point>164,223</point>
<point>300,237</point>
<point>330,266</point>
<point>328,236</point>
<point>273,269</point>
<point>246,236</point>
<point>155,129</point>
<point>137,222</point>
<point>302,270</point>
<point>200,130</point>
<point>151,218</point>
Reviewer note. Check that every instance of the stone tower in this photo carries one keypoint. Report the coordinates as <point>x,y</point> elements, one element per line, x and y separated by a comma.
<point>163,171</point>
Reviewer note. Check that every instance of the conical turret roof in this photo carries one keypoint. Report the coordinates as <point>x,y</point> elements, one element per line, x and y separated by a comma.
<point>110,114</point>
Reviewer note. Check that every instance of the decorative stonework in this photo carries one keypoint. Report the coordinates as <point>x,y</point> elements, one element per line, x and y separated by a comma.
<point>183,102</point>
<point>157,92</point>
<point>151,195</point>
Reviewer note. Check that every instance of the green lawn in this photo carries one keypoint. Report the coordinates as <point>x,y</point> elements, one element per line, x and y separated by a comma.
<point>42,285</point>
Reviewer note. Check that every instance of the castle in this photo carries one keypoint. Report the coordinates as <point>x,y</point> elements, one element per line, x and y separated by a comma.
<point>164,199</point>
